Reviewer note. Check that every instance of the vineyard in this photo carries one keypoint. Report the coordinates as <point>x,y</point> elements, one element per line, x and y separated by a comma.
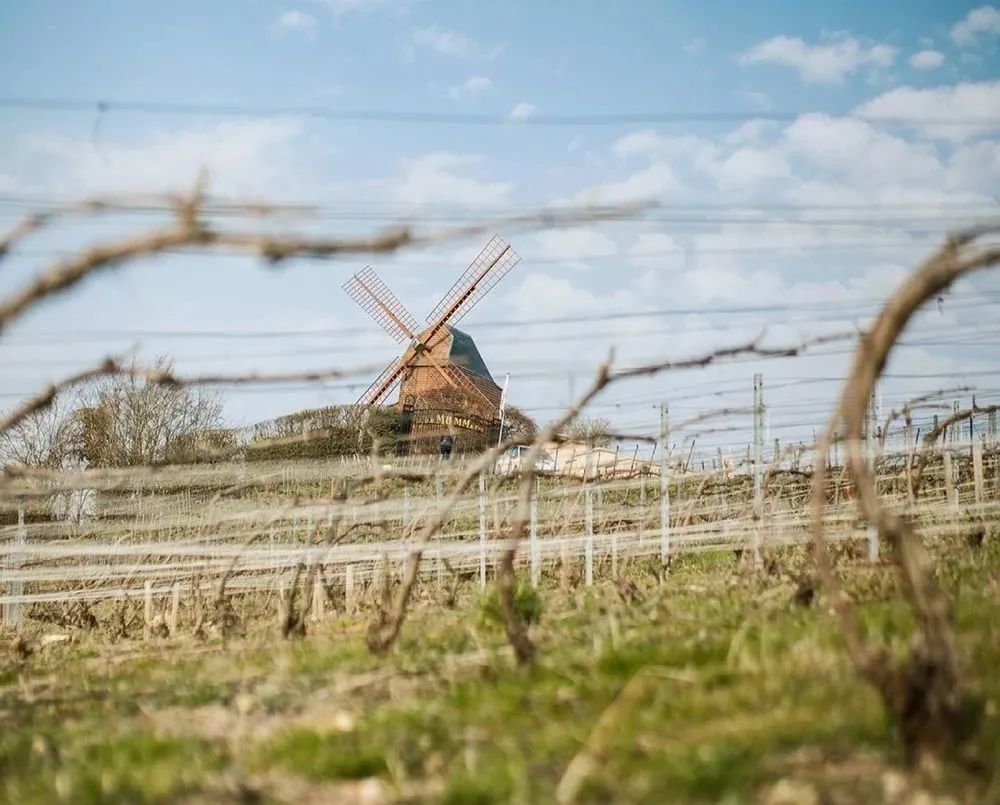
<point>677,618</point>
<point>671,474</point>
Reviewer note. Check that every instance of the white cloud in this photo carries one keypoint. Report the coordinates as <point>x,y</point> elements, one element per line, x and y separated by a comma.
<point>750,132</point>
<point>522,111</point>
<point>650,145</point>
<point>967,102</point>
<point>826,63</point>
<point>241,157</point>
<point>982,20</point>
<point>926,60</point>
<point>472,87</point>
<point>573,245</point>
<point>339,7</point>
<point>565,298</point>
<point>650,183</point>
<point>295,20</point>
<point>436,178</point>
<point>446,42</point>
<point>858,151</point>
<point>749,166</point>
<point>658,253</point>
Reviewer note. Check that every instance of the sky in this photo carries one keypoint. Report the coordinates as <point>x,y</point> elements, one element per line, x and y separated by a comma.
<point>803,157</point>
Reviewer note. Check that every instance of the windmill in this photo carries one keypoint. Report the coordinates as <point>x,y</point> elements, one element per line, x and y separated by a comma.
<point>440,362</point>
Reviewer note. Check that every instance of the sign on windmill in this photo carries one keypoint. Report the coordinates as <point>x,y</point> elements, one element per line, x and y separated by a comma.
<point>441,368</point>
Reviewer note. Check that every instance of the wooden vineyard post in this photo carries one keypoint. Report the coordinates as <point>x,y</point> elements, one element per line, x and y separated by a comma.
<point>564,570</point>
<point>318,598</point>
<point>951,493</point>
<point>350,596</point>
<point>758,464</point>
<point>175,606</point>
<point>12,610</point>
<point>664,487</point>
<point>602,518</point>
<point>147,609</point>
<point>482,530</point>
<point>977,469</point>
<point>588,550</point>
<point>533,536</point>
<point>871,427</point>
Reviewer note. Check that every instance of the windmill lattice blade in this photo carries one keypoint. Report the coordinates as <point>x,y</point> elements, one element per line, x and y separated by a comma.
<point>455,377</point>
<point>390,377</point>
<point>464,383</point>
<point>492,265</point>
<point>374,297</point>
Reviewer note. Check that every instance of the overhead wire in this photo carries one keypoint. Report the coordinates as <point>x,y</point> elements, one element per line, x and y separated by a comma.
<point>107,106</point>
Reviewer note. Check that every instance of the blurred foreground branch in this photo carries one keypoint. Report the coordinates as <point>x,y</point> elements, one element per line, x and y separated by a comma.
<point>922,693</point>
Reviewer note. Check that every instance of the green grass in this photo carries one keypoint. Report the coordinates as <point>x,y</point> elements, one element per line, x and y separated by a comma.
<point>744,689</point>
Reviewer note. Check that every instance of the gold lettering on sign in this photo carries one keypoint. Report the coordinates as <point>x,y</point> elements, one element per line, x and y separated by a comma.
<point>451,420</point>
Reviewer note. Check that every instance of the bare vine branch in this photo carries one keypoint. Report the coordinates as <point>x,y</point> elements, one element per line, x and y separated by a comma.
<point>924,695</point>
<point>189,229</point>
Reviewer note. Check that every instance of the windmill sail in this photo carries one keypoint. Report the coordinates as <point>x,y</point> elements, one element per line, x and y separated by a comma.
<point>492,265</point>
<point>391,377</point>
<point>434,346</point>
<point>374,297</point>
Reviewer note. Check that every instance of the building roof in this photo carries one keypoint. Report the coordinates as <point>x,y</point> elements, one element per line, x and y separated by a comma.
<point>465,355</point>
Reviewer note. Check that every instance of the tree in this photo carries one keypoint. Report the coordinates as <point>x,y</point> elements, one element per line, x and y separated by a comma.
<point>127,421</point>
<point>519,425</point>
<point>595,432</point>
<point>46,438</point>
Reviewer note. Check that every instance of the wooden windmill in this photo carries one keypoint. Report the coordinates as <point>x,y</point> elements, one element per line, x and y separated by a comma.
<point>440,363</point>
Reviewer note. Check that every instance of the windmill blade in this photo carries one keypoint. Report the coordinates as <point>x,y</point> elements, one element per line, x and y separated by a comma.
<point>390,377</point>
<point>457,379</point>
<point>452,375</point>
<point>467,385</point>
<point>374,297</point>
<point>492,265</point>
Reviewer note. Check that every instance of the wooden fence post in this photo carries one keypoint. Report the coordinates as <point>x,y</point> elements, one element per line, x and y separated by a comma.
<point>12,610</point>
<point>588,550</point>
<point>318,597</point>
<point>482,530</point>
<point>147,609</point>
<point>977,469</point>
<point>664,486</point>
<point>350,599</point>
<point>533,536</point>
<point>175,606</point>
<point>951,493</point>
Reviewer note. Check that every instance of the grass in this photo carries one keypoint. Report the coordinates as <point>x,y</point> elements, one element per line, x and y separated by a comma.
<point>744,692</point>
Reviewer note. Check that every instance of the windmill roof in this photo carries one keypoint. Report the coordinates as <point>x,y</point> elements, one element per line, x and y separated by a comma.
<point>465,355</point>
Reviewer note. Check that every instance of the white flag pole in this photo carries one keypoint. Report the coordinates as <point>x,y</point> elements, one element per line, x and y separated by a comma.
<point>503,406</point>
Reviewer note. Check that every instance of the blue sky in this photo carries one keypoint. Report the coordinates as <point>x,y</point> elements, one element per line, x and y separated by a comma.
<point>808,219</point>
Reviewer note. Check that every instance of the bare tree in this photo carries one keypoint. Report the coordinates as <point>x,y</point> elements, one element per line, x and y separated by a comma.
<point>126,420</point>
<point>44,438</point>
<point>594,431</point>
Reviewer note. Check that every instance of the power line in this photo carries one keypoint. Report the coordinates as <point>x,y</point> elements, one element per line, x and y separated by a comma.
<point>960,301</point>
<point>229,205</point>
<point>216,109</point>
